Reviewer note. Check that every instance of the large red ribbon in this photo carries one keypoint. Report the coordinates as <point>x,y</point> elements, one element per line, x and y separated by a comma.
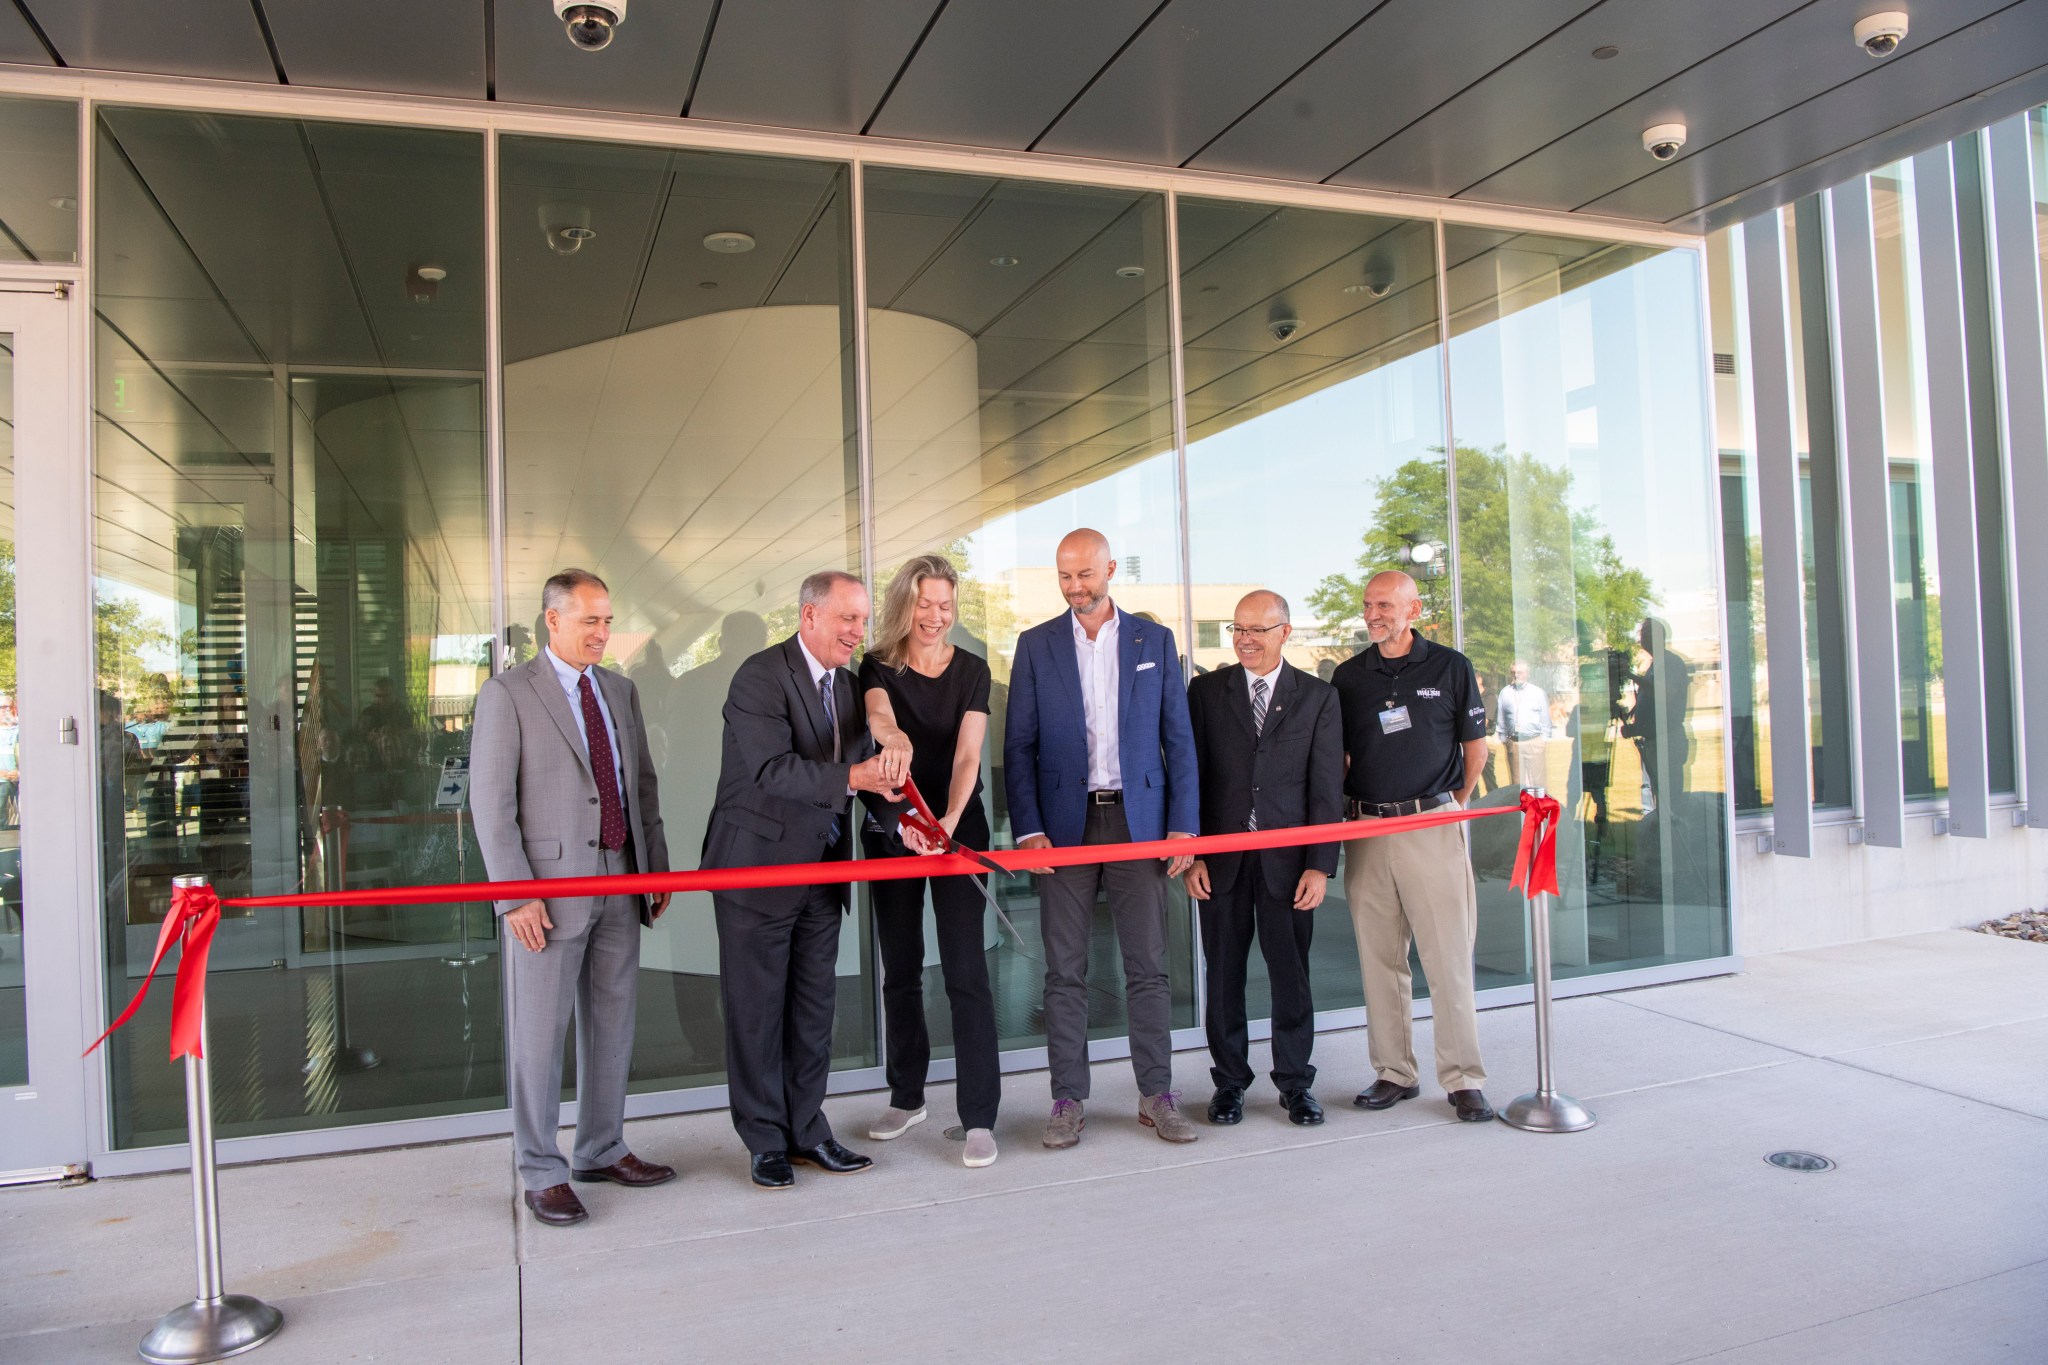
<point>1536,856</point>
<point>194,915</point>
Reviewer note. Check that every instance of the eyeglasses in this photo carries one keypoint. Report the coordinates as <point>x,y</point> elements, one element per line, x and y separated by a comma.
<point>1236,629</point>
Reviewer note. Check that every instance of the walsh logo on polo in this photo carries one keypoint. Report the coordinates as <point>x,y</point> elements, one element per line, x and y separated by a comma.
<point>1429,692</point>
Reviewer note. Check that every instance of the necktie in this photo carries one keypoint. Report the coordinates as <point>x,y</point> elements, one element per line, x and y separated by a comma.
<point>1258,727</point>
<point>832,726</point>
<point>611,812</point>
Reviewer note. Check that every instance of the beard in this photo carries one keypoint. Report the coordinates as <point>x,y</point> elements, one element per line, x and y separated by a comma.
<point>1088,605</point>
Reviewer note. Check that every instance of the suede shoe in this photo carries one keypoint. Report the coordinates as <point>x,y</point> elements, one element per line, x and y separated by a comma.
<point>628,1170</point>
<point>1063,1127</point>
<point>1227,1106</point>
<point>557,1206</point>
<point>1471,1106</point>
<point>895,1122</point>
<point>1161,1113</point>
<point>1385,1095</point>
<point>1301,1107</point>
<point>831,1157</point>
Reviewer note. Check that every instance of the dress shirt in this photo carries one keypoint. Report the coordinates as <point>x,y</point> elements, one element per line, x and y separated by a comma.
<point>1272,681</point>
<point>818,672</point>
<point>1524,712</point>
<point>571,685</point>
<point>1097,660</point>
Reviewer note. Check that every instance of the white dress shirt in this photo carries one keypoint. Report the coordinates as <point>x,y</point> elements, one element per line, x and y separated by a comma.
<point>1097,660</point>
<point>1272,681</point>
<point>818,672</point>
<point>571,681</point>
<point>1524,712</point>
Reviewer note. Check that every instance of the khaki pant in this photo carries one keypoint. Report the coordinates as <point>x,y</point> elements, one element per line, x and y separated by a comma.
<point>1525,763</point>
<point>1417,885</point>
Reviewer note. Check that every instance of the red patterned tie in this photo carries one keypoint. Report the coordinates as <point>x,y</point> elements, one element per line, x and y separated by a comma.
<point>611,813</point>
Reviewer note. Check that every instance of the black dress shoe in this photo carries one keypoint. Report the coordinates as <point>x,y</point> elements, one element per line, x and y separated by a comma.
<point>1385,1095</point>
<point>1227,1105</point>
<point>830,1156</point>
<point>557,1206</point>
<point>1301,1108</point>
<point>1471,1106</point>
<point>771,1171</point>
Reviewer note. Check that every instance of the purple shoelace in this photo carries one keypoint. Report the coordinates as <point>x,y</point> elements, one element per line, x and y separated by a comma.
<point>1060,1107</point>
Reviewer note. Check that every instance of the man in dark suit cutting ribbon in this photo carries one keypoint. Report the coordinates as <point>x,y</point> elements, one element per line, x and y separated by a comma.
<point>796,750</point>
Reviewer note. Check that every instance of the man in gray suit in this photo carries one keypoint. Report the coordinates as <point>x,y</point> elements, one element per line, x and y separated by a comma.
<point>562,785</point>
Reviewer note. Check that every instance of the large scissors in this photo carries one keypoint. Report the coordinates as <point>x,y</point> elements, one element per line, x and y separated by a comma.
<point>921,819</point>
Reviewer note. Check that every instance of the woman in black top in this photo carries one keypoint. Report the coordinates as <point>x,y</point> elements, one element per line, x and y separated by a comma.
<point>928,699</point>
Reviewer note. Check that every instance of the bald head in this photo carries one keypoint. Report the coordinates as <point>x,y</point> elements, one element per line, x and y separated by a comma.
<point>1085,570</point>
<point>1260,601</point>
<point>1392,604</point>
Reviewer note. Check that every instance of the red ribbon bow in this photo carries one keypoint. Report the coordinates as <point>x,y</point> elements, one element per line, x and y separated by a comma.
<point>1536,856</point>
<point>194,915</point>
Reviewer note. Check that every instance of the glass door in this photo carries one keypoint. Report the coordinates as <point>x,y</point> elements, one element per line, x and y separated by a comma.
<point>46,780</point>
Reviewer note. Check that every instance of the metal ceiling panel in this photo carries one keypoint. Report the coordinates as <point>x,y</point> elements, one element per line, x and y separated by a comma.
<point>1196,67</point>
<point>646,70</point>
<point>2008,45</point>
<point>1553,88</point>
<point>1410,56</point>
<point>18,41</point>
<point>802,64</point>
<point>216,38</point>
<point>993,73</point>
<point>405,47</point>
<point>1730,91</point>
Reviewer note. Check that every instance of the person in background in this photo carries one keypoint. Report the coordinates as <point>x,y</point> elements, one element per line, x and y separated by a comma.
<point>927,701</point>
<point>1522,721</point>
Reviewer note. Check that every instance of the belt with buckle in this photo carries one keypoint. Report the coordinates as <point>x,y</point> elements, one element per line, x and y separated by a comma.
<point>1105,798</point>
<point>1355,809</point>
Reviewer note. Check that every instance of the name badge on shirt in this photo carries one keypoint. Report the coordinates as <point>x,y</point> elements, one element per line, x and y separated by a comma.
<point>1395,719</point>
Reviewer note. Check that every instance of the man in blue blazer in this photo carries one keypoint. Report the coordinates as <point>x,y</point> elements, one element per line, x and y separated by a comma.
<point>1099,750</point>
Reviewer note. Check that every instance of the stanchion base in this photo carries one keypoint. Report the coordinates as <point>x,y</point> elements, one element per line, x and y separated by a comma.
<point>1547,1112</point>
<point>344,1060</point>
<point>469,961</point>
<point>210,1329</point>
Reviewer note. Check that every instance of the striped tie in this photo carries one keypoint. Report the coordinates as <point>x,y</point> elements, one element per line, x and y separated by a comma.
<point>1259,727</point>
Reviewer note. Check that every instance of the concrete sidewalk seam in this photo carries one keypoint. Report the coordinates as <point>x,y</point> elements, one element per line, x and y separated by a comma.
<point>1862,1312</point>
<point>1935,1089</point>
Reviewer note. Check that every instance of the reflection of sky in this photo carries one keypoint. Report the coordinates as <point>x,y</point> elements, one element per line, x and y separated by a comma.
<point>1133,507</point>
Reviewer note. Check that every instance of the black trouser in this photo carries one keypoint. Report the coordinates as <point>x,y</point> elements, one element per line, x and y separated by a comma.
<point>960,916</point>
<point>1230,920</point>
<point>776,974</point>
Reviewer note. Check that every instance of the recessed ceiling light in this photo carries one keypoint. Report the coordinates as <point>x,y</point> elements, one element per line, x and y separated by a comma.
<point>1210,288</point>
<point>1601,54</point>
<point>433,272</point>
<point>64,202</point>
<point>1130,272</point>
<point>1002,262</point>
<point>707,284</point>
<point>729,243</point>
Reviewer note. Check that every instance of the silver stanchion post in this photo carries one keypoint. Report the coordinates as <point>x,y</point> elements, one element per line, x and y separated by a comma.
<point>463,956</point>
<point>343,1054</point>
<point>1545,1111</point>
<point>216,1324</point>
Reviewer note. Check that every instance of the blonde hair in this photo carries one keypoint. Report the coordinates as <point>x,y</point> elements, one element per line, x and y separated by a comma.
<point>899,605</point>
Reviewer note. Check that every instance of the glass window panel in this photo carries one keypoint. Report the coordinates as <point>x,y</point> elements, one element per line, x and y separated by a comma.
<point>1313,363</point>
<point>293,596</point>
<point>678,420</point>
<point>13,984</point>
<point>38,179</point>
<point>1916,581</point>
<point>1585,485</point>
<point>1022,388</point>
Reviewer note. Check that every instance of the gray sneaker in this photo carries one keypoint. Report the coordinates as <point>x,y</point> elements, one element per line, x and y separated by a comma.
<point>1161,1113</point>
<point>1063,1129</point>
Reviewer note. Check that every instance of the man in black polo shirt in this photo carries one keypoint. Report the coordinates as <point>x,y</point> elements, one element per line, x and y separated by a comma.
<point>1414,740</point>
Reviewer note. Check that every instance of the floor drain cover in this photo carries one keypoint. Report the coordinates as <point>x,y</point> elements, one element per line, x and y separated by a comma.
<point>1800,1161</point>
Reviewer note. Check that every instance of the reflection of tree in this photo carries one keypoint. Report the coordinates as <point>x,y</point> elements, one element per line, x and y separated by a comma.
<point>1539,577</point>
<point>983,611</point>
<point>7,617</point>
<point>124,634</point>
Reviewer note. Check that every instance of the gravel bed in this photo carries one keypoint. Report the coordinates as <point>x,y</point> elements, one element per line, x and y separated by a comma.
<point>2031,925</point>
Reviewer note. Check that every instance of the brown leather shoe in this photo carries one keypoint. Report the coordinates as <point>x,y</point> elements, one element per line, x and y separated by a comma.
<point>628,1170</point>
<point>1471,1106</point>
<point>557,1206</point>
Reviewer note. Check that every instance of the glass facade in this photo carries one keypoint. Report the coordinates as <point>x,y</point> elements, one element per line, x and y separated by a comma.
<point>13,982</point>
<point>295,546</point>
<point>38,180</point>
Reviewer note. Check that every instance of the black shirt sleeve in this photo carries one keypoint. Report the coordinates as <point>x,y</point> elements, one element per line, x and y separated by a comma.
<point>977,683</point>
<point>1471,722</point>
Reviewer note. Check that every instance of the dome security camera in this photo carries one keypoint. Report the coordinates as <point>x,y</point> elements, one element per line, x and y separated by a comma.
<point>1663,140</point>
<point>566,227</point>
<point>1880,34</point>
<point>591,23</point>
<point>1283,328</point>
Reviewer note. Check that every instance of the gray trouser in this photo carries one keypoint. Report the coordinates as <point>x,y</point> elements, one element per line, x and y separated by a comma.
<point>594,973</point>
<point>1066,916</point>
